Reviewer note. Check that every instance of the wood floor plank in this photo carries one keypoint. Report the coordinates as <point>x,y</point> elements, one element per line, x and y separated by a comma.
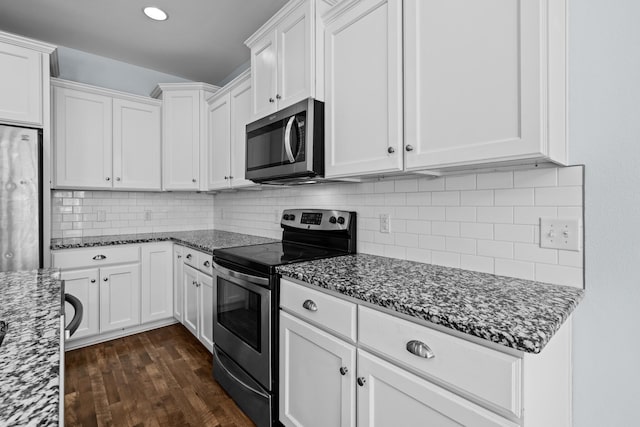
<point>156,378</point>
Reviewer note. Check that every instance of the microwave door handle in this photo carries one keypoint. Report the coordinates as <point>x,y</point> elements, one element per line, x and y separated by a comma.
<point>287,139</point>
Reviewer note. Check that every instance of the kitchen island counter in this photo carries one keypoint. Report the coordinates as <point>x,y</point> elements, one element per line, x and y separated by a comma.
<point>516,313</point>
<point>30,356</point>
<point>202,240</point>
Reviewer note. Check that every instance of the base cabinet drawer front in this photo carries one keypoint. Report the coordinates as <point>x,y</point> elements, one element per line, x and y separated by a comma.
<point>314,392</point>
<point>119,297</point>
<point>391,396</point>
<point>205,262</point>
<point>84,285</point>
<point>190,257</point>
<point>490,375</point>
<point>332,313</point>
<point>95,257</point>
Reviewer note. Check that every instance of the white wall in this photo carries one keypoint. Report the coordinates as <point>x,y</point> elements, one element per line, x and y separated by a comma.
<point>484,222</point>
<point>604,125</point>
<point>99,71</point>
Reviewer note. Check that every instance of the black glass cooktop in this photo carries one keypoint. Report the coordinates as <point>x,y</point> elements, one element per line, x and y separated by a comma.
<point>265,257</point>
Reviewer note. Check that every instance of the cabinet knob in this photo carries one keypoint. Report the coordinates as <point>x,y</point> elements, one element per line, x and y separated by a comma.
<point>344,370</point>
<point>409,148</point>
<point>107,179</point>
<point>361,381</point>
<point>179,256</point>
<point>271,100</point>
<point>93,280</point>
<point>207,264</point>
<point>391,150</point>
<point>193,180</point>
<point>99,257</point>
<point>310,305</point>
<point>106,279</point>
<point>278,96</point>
<point>194,283</point>
<point>226,177</point>
<point>118,178</point>
<point>420,349</point>
<point>188,256</point>
<point>230,177</point>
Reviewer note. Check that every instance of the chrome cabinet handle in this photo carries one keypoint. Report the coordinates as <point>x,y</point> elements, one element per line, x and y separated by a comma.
<point>207,264</point>
<point>107,179</point>
<point>420,349</point>
<point>278,96</point>
<point>118,178</point>
<point>344,370</point>
<point>271,100</point>
<point>193,180</point>
<point>310,305</point>
<point>226,177</point>
<point>93,280</point>
<point>106,279</point>
<point>361,381</point>
<point>188,256</point>
<point>409,148</point>
<point>99,257</point>
<point>230,177</point>
<point>391,150</point>
<point>179,256</point>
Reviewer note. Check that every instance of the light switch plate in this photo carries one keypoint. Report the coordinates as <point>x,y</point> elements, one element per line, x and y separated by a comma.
<point>560,233</point>
<point>385,220</point>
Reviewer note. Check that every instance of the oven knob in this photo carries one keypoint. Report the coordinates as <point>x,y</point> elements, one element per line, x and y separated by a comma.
<point>285,217</point>
<point>332,220</point>
<point>292,217</point>
<point>340,220</point>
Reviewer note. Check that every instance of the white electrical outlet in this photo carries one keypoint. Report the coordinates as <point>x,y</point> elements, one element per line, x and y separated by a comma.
<point>101,216</point>
<point>385,223</point>
<point>560,233</point>
<point>147,215</point>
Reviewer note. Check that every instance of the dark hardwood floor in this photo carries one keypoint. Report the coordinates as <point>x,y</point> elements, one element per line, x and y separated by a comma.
<point>156,378</point>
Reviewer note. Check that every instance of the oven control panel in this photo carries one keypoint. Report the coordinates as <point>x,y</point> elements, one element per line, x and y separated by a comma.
<point>316,219</point>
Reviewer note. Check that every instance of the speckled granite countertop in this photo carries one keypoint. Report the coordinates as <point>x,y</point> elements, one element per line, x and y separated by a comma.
<point>31,302</point>
<point>516,313</point>
<point>203,240</point>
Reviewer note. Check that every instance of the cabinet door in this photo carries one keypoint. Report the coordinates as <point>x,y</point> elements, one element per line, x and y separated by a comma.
<point>295,56</point>
<point>219,117</point>
<point>189,285</point>
<point>136,145</point>
<point>20,85</point>
<point>392,396</point>
<point>83,284</point>
<point>178,293</point>
<point>313,390</point>
<point>240,117</point>
<point>263,76</point>
<point>83,139</point>
<point>478,99</point>
<point>363,91</point>
<point>157,282</point>
<point>205,301</point>
<point>119,297</point>
<point>181,140</point>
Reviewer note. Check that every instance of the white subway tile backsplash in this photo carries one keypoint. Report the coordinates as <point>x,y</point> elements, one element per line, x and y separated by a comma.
<point>514,197</point>
<point>484,222</point>
<point>559,274</point>
<point>514,233</point>
<point>494,180</point>
<point>519,269</point>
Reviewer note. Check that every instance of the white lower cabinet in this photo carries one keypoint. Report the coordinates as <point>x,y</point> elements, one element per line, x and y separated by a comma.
<point>119,297</point>
<point>178,294</point>
<point>83,284</point>
<point>317,374</point>
<point>330,377</point>
<point>157,282</point>
<point>198,304</point>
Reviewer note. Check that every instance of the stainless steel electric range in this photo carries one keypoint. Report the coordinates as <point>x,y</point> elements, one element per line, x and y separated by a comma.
<point>246,299</point>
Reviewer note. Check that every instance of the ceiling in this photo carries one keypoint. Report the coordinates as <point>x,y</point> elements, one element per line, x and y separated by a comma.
<point>203,40</point>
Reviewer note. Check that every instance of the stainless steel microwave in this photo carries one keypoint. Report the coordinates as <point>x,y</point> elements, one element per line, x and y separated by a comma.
<point>287,147</point>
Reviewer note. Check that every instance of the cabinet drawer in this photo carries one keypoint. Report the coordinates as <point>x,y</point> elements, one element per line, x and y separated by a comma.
<point>205,263</point>
<point>95,257</point>
<point>331,313</point>
<point>488,374</point>
<point>190,257</point>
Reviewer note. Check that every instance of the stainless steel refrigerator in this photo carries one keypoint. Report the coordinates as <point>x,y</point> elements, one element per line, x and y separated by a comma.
<point>20,198</point>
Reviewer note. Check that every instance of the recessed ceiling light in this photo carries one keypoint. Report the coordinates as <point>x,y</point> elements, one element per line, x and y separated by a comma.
<point>155,13</point>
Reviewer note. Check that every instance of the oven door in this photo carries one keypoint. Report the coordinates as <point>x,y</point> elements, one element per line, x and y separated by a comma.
<point>241,321</point>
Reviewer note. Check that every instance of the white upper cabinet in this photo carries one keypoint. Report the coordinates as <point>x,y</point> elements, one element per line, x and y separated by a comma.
<point>82,138</point>
<point>24,76</point>
<point>136,145</point>
<point>442,86</point>
<point>105,139</point>
<point>283,57</point>
<point>229,111</point>
<point>491,93</point>
<point>184,135</point>
<point>363,92</point>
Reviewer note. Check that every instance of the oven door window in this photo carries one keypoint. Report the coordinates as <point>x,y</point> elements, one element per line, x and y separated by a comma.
<point>239,312</point>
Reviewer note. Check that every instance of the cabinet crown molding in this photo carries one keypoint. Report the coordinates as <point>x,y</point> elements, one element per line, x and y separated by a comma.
<point>165,87</point>
<point>103,91</point>
<point>273,21</point>
<point>37,45</point>
<point>242,77</point>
